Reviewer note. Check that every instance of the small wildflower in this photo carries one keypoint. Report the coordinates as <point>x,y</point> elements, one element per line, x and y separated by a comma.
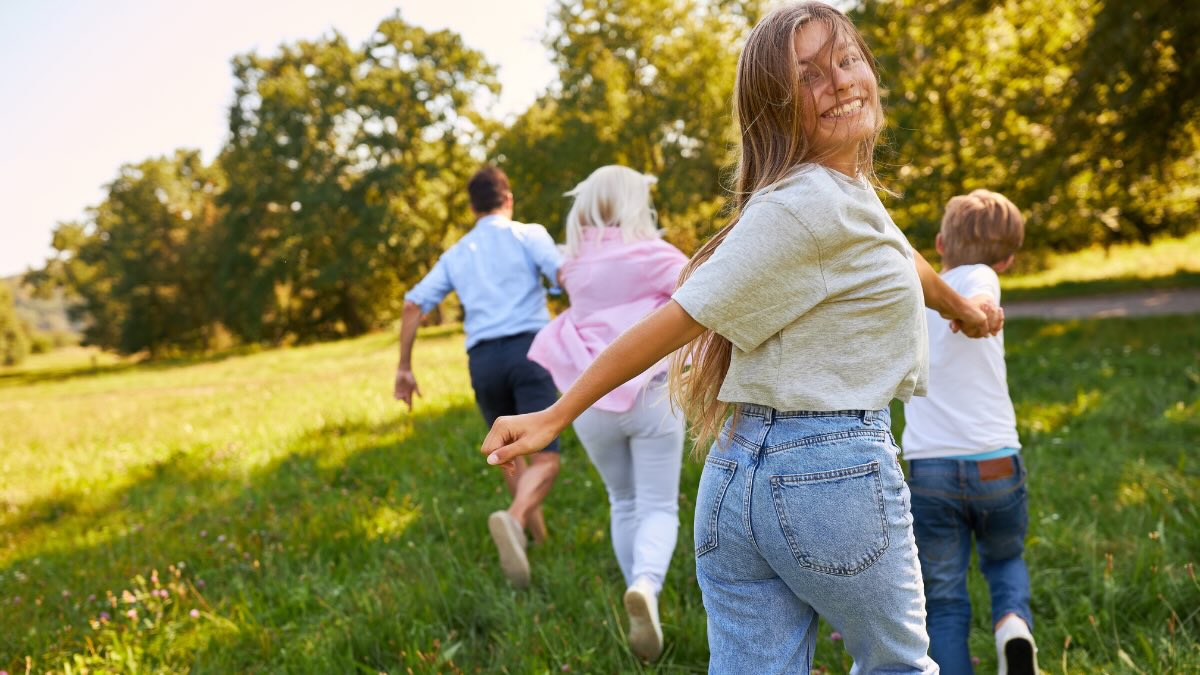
<point>154,577</point>
<point>104,616</point>
<point>975,660</point>
<point>66,593</point>
<point>128,598</point>
<point>200,583</point>
<point>195,614</point>
<point>203,533</point>
<point>132,614</point>
<point>220,538</point>
<point>835,636</point>
<point>92,597</point>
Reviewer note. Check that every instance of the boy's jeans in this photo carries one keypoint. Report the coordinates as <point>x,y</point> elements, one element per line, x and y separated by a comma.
<point>806,514</point>
<point>951,501</point>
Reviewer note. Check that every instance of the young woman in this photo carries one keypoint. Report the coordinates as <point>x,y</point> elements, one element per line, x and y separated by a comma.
<point>617,270</point>
<point>804,317</point>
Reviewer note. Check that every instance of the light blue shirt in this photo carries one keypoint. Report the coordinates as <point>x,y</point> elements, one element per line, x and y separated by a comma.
<point>495,270</point>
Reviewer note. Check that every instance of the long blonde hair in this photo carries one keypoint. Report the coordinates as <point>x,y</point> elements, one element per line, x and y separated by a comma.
<point>771,108</point>
<point>612,196</point>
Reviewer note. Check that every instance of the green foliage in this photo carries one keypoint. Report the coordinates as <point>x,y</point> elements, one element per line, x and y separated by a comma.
<point>141,266</point>
<point>344,174</point>
<point>14,333</point>
<point>630,92</point>
<point>323,529</point>
<point>346,169</point>
<point>1085,114</point>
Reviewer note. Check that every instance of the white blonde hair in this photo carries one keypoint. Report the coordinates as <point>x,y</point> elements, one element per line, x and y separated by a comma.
<point>613,196</point>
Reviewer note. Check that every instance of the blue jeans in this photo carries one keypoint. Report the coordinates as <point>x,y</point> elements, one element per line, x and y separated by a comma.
<point>953,500</point>
<point>801,515</point>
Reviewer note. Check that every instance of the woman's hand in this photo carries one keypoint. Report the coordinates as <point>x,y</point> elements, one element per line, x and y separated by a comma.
<point>979,317</point>
<point>645,343</point>
<point>518,435</point>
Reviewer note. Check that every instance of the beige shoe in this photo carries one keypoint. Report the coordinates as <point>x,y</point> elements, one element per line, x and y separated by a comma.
<point>510,542</point>
<point>645,631</point>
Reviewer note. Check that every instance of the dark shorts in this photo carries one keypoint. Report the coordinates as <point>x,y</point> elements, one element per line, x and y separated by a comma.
<point>506,382</point>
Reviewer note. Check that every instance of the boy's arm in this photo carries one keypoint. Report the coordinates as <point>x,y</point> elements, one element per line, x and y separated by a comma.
<point>668,328</point>
<point>977,316</point>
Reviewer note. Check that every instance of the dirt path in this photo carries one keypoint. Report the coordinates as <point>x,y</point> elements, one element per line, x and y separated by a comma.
<point>1133,303</point>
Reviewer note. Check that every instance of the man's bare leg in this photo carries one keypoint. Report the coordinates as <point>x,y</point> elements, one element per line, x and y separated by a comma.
<point>529,486</point>
<point>534,522</point>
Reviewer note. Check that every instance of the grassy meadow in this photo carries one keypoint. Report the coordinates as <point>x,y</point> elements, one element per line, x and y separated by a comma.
<point>1163,263</point>
<point>279,512</point>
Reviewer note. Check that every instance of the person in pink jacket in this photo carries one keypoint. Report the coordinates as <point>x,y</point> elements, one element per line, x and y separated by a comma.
<point>617,270</point>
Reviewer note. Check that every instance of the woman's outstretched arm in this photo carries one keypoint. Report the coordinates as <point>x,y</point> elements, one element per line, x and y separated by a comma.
<point>642,346</point>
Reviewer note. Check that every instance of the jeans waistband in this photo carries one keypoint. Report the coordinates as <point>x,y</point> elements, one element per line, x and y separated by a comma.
<point>770,414</point>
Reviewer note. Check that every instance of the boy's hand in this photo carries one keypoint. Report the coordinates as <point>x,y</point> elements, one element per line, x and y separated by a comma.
<point>980,317</point>
<point>512,437</point>
<point>406,386</point>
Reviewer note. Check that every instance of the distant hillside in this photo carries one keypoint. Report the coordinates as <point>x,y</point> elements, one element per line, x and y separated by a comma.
<point>44,315</point>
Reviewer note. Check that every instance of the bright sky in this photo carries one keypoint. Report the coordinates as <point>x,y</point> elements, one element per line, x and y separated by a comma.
<point>87,86</point>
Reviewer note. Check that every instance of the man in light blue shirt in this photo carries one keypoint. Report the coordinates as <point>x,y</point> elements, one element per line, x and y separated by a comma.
<point>497,271</point>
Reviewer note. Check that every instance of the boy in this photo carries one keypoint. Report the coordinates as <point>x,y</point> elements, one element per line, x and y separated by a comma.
<point>497,270</point>
<point>967,477</point>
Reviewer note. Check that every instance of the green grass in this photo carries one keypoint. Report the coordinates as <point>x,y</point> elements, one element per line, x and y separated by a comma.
<point>1165,263</point>
<point>300,521</point>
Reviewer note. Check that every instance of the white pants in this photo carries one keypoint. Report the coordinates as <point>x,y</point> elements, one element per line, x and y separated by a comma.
<point>639,454</point>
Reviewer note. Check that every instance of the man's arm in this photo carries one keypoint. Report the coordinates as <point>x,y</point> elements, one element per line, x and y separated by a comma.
<point>406,382</point>
<point>417,302</point>
<point>978,316</point>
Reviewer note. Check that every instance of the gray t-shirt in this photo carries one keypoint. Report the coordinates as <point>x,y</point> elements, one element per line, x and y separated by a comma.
<point>818,292</point>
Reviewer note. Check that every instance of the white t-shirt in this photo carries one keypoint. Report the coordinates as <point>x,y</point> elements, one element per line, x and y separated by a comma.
<point>967,409</point>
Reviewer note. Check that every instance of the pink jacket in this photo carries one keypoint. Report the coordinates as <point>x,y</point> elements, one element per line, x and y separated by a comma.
<point>612,286</point>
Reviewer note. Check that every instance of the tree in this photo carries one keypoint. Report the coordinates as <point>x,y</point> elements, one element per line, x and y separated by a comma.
<point>631,92</point>
<point>142,265</point>
<point>347,171</point>
<point>14,334</point>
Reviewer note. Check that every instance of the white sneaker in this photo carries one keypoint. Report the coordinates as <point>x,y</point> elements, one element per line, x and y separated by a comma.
<point>645,632</point>
<point>510,542</point>
<point>1015,648</point>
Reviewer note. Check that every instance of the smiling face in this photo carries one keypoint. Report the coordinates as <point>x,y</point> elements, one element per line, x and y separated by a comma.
<point>844,109</point>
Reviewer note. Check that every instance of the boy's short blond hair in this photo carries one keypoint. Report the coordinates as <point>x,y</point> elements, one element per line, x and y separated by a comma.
<point>983,227</point>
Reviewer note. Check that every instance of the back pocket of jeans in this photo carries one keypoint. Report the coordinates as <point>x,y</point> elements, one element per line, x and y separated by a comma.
<point>718,474</point>
<point>833,521</point>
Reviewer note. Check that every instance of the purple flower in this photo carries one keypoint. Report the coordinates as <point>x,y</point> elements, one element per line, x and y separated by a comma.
<point>835,636</point>
<point>200,583</point>
<point>975,660</point>
<point>195,614</point>
<point>566,668</point>
<point>104,616</point>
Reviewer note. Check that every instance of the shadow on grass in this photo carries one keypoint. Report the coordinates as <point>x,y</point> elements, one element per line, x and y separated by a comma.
<point>363,547</point>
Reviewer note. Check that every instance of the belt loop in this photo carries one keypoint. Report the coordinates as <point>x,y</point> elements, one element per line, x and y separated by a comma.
<point>862,415</point>
<point>770,415</point>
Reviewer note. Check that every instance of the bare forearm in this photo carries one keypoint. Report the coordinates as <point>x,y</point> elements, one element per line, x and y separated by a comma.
<point>410,320</point>
<point>938,295</point>
<point>638,348</point>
